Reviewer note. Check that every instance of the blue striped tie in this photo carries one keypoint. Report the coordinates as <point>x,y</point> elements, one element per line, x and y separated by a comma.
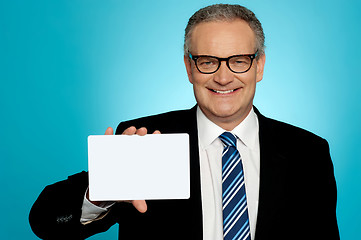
<point>235,211</point>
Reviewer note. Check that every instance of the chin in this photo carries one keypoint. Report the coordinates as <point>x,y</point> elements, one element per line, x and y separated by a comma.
<point>224,113</point>
<point>231,112</point>
<point>225,110</point>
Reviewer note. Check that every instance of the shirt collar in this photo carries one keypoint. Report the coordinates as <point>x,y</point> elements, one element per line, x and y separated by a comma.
<point>246,131</point>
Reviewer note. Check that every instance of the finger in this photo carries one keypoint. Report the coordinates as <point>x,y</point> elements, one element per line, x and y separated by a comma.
<point>142,131</point>
<point>156,132</point>
<point>140,205</point>
<point>109,131</point>
<point>129,131</point>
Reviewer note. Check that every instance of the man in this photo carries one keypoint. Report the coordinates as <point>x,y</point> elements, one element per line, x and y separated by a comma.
<point>251,177</point>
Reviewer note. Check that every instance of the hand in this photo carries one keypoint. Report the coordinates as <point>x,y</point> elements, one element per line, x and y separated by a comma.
<point>140,205</point>
<point>109,131</point>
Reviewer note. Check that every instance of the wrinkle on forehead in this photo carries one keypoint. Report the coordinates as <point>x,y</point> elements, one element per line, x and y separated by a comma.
<point>223,38</point>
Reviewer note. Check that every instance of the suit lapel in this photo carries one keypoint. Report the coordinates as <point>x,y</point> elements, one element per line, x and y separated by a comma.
<point>195,198</point>
<point>271,190</point>
<point>193,206</point>
<point>272,182</point>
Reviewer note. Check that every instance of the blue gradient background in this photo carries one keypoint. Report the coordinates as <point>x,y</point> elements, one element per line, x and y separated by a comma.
<point>66,72</point>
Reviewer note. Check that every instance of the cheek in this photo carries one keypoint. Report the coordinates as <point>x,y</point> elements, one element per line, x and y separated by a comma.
<point>249,79</point>
<point>198,89</point>
<point>200,92</point>
<point>200,79</point>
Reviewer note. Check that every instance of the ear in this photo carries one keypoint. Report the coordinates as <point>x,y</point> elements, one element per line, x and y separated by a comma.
<point>260,67</point>
<point>187,63</point>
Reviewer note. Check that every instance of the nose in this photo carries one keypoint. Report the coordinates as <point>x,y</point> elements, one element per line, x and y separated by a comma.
<point>224,75</point>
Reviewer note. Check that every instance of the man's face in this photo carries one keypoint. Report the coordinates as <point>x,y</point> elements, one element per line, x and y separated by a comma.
<point>224,97</point>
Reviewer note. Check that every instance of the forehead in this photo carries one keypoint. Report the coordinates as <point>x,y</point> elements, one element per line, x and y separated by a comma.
<point>223,38</point>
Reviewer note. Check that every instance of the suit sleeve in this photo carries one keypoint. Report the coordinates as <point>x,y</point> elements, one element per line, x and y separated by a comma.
<point>57,211</point>
<point>324,216</point>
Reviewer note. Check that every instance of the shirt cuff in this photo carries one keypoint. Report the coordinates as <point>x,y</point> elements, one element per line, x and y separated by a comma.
<point>91,212</point>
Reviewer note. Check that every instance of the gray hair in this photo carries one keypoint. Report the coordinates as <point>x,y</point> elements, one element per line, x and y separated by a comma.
<point>225,12</point>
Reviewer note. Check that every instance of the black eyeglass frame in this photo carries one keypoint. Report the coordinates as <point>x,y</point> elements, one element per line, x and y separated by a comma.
<point>220,60</point>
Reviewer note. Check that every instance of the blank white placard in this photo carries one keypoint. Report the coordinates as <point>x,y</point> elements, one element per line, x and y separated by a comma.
<point>123,167</point>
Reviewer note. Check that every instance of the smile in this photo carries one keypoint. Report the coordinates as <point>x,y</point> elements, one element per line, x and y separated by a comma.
<point>224,92</point>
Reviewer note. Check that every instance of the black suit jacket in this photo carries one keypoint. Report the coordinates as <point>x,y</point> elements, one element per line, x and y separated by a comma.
<point>297,196</point>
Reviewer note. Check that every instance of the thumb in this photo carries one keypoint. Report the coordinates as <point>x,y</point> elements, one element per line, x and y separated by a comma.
<point>140,205</point>
<point>109,131</point>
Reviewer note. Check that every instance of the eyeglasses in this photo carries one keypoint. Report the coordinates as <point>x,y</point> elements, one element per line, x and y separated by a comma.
<point>236,63</point>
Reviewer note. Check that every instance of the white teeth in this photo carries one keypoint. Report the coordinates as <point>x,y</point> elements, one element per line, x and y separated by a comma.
<point>223,92</point>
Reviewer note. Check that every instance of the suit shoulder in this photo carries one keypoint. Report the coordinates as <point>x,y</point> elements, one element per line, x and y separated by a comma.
<point>154,122</point>
<point>74,183</point>
<point>290,132</point>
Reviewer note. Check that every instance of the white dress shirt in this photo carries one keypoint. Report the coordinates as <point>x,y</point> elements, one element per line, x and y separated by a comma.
<point>210,155</point>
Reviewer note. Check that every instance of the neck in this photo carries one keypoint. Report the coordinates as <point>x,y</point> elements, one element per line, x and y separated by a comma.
<point>229,123</point>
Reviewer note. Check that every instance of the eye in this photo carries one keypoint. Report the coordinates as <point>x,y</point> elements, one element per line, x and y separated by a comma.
<point>240,61</point>
<point>207,62</point>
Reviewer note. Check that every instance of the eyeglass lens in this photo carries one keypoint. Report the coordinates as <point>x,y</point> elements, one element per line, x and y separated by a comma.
<point>236,63</point>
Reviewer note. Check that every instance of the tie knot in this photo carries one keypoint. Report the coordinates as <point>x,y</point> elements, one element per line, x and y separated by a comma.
<point>228,139</point>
